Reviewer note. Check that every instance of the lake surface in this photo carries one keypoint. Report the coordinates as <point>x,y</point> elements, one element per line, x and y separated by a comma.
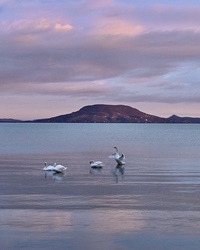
<point>152,203</point>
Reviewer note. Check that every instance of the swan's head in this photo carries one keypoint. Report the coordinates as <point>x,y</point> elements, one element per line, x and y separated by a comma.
<point>116,149</point>
<point>55,164</point>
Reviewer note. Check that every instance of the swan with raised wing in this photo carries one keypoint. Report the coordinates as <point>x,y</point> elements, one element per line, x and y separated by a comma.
<point>119,158</point>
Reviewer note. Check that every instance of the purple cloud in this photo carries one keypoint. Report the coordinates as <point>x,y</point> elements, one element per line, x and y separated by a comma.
<point>106,51</point>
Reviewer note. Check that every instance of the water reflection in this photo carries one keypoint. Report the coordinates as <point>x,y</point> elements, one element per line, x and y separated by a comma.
<point>114,221</point>
<point>95,170</point>
<point>57,177</point>
<point>118,171</point>
<point>36,220</point>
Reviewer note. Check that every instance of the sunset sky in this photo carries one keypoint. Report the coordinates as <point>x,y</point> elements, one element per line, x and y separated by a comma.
<point>57,56</point>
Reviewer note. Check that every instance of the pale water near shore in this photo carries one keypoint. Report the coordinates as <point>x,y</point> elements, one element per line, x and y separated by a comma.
<point>153,203</point>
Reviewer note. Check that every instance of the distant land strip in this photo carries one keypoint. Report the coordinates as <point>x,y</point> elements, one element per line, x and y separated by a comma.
<point>102,113</point>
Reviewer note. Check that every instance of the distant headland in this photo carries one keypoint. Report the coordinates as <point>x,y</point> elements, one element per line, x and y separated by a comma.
<point>102,113</point>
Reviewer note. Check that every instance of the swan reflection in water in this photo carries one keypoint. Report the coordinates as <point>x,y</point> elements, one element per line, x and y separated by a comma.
<point>118,171</point>
<point>57,177</point>
<point>95,170</point>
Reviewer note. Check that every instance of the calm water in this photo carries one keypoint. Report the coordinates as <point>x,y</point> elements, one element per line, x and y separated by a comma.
<point>153,203</point>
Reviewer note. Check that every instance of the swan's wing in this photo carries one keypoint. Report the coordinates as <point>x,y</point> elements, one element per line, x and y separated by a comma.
<point>96,164</point>
<point>99,162</point>
<point>48,168</point>
<point>122,157</point>
<point>113,156</point>
<point>120,160</point>
<point>59,168</point>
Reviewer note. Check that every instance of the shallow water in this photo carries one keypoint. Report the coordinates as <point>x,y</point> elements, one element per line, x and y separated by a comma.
<point>150,203</point>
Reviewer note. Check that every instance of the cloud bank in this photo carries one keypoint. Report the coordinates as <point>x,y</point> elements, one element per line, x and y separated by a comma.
<point>103,51</point>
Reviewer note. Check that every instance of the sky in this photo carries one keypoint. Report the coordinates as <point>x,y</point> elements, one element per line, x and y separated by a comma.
<point>57,56</point>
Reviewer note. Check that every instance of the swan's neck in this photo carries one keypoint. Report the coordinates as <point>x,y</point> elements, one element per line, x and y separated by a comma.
<point>116,149</point>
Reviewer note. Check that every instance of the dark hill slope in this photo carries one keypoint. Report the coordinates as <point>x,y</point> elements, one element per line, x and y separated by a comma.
<point>9,120</point>
<point>101,113</point>
<point>178,119</point>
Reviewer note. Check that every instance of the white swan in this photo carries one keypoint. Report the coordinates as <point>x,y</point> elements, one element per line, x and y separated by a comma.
<point>48,167</point>
<point>56,168</point>
<point>119,158</point>
<point>96,164</point>
<point>59,168</point>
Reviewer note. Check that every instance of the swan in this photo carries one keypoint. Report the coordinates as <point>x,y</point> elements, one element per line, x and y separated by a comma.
<point>48,167</point>
<point>59,168</point>
<point>119,158</point>
<point>96,164</point>
<point>56,168</point>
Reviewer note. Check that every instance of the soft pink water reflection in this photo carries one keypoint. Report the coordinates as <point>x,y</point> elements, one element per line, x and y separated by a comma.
<point>153,204</point>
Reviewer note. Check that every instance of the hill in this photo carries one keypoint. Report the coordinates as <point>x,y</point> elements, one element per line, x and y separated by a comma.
<point>9,120</point>
<point>101,113</point>
<point>178,119</point>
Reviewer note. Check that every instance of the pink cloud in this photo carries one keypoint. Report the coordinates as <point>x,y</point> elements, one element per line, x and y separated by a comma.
<point>117,27</point>
<point>68,48</point>
<point>62,27</point>
<point>35,24</point>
